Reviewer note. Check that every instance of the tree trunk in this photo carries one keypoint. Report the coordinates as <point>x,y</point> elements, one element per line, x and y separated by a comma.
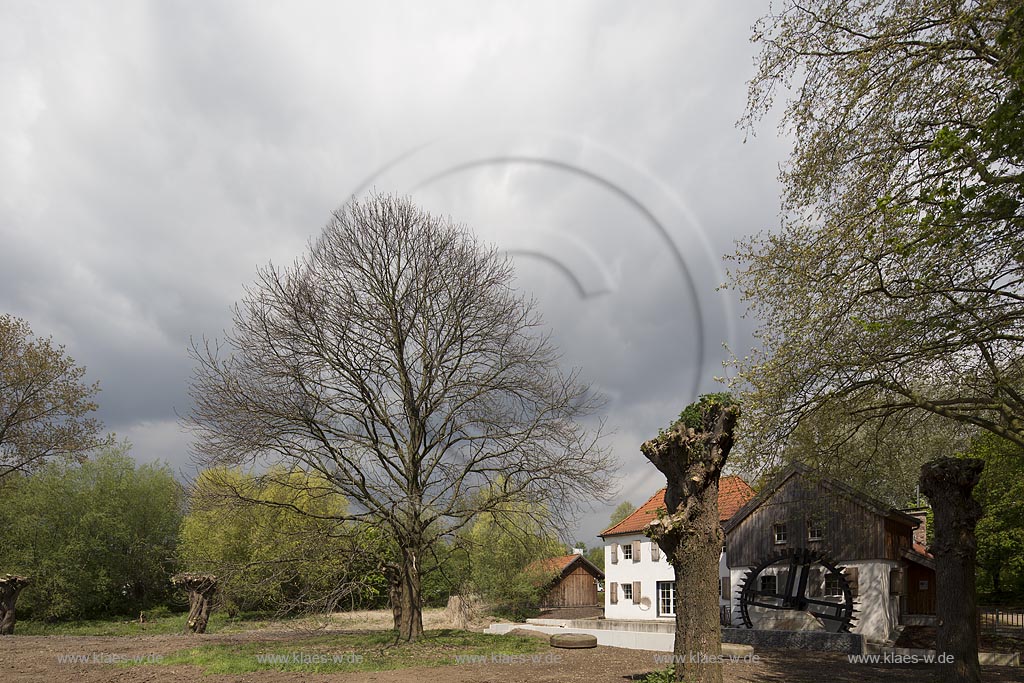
<point>393,576</point>
<point>948,483</point>
<point>410,626</point>
<point>10,588</point>
<point>201,588</point>
<point>691,535</point>
<point>694,555</point>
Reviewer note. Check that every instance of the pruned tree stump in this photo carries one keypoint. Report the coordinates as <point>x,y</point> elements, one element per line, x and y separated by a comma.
<point>460,611</point>
<point>201,588</point>
<point>573,641</point>
<point>949,484</point>
<point>691,455</point>
<point>10,587</point>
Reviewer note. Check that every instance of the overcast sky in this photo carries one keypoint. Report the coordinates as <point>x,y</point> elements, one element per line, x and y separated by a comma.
<point>153,155</point>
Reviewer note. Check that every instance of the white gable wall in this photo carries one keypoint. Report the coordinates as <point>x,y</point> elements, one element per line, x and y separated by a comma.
<point>643,569</point>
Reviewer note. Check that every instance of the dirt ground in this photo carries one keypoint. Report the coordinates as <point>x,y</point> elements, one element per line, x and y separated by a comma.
<point>34,659</point>
<point>924,637</point>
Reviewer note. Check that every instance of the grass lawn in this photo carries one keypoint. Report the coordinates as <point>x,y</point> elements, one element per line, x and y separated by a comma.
<point>174,623</point>
<point>345,652</point>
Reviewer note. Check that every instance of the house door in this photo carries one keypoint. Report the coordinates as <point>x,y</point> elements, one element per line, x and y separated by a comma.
<point>920,589</point>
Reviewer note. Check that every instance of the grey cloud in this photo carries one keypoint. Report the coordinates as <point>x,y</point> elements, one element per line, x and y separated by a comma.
<point>153,155</point>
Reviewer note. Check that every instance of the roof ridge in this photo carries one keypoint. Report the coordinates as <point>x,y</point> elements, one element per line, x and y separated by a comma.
<point>644,514</point>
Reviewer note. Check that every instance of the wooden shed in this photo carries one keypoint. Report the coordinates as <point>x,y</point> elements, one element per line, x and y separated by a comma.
<point>575,583</point>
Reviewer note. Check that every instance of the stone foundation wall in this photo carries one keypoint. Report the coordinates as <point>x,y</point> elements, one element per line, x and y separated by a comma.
<point>818,641</point>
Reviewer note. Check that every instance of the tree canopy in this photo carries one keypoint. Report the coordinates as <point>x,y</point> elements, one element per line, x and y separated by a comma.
<point>396,361</point>
<point>623,510</point>
<point>506,547</point>
<point>97,538</point>
<point>1001,529</point>
<point>277,544</point>
<point>45,405</point>
<point>896,283</point>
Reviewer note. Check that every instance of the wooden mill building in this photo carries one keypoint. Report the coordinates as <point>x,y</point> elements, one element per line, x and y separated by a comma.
<point>575,583</point>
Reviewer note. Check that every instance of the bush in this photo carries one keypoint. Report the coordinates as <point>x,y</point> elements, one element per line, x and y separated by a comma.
<point>96,538</point>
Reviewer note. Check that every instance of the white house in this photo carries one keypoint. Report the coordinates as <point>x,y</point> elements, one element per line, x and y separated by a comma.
<point>639,581</point>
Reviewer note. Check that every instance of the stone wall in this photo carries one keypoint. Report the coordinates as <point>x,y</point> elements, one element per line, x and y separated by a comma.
<point>818,641</point>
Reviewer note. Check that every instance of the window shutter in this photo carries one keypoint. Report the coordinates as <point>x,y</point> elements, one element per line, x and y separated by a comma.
<point>852,577</point>
<point>655,551</point>
<point>613,593</point>
<point>896,582</point>
<point>615,554</point>
<point>636,592</point>
<point>636,551</point>
<point>726,587</point>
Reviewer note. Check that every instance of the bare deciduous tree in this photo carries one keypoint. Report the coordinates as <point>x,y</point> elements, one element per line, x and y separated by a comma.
<point>397,361</point>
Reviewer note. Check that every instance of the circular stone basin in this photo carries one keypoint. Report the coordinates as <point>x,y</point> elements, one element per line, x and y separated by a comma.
<point>573,641</point>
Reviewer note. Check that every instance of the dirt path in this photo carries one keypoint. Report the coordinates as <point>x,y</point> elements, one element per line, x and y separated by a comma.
<point>39,659</point>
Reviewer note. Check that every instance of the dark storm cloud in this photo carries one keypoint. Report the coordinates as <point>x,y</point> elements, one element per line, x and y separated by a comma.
<point>154,155</point>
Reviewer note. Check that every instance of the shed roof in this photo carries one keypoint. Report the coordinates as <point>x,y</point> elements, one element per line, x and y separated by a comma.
<point>796,469</point>
<point>563,563</point>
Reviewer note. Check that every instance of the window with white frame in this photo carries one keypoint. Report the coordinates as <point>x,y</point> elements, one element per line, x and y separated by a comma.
<point>627,591</point>
<point>666,598</point>
<point>815,529</point>
<point>769,584</point>
<point>627,551</point>
<point>779,532</point>
<point>832,587</point>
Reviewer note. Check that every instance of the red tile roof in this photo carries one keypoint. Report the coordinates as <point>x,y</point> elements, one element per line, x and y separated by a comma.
<point>733,493</point>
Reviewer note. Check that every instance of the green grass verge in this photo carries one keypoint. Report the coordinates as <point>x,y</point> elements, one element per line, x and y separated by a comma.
<point>175,623</point>
<point>347,652</point>
<point>663,676</point>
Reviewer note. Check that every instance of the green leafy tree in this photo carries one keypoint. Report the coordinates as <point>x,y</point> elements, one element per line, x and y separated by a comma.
<point>884,458</point>
<point>97,538</point>
<point>596,556</point>
<point>45,406</point>
<point>896,282</point>
<point>895,285</point>
<point>276,543</point>
<point>1001,528</point>
<point>624,509</point>
<point>507,548</point>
